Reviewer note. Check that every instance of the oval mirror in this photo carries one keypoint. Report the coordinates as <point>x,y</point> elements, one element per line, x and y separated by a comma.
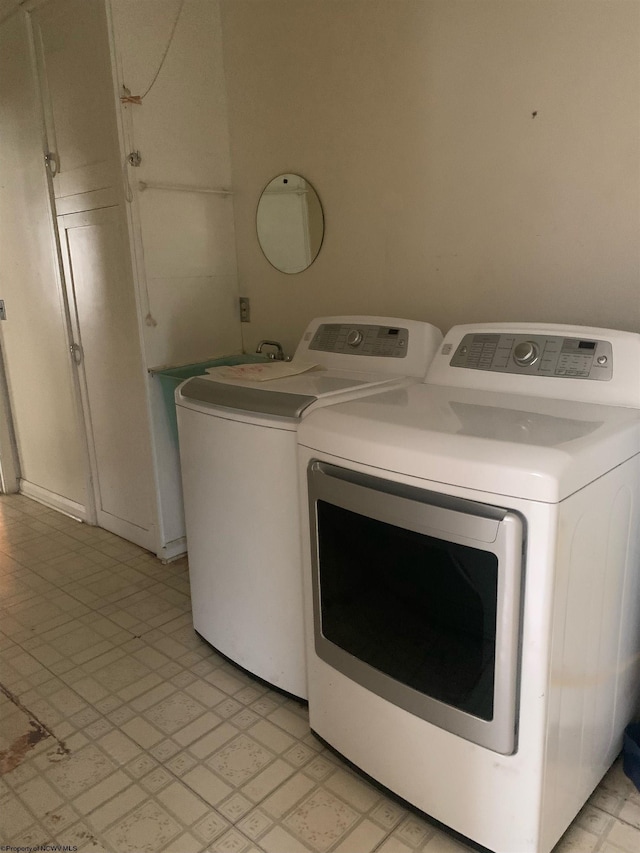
<point>290,223</point>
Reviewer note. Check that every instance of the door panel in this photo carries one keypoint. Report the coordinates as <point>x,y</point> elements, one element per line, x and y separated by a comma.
<point>95,253</point>
<point>72,51</point>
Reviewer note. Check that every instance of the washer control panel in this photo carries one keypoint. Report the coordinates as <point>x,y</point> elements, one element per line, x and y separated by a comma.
<point>539,355</point>
<point>361,339</point>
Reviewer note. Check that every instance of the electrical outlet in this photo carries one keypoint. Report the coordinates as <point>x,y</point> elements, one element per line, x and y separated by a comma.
<point>245,309</point>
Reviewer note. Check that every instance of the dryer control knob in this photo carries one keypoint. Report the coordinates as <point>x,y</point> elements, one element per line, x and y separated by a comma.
<point>354,337</point>
<point>526,352</point>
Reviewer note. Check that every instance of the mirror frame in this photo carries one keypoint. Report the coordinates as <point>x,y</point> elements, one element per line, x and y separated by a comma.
<point>290,223</point>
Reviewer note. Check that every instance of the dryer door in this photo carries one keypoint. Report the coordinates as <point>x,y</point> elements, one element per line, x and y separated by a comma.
<point>417,598</point>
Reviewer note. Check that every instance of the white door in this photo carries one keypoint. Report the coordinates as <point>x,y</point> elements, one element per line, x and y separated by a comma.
<point>74,64</point>
<point>97,271</point>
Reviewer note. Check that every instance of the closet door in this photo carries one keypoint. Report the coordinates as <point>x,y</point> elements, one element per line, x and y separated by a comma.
<point>97,271</point>
<point>74,65</point>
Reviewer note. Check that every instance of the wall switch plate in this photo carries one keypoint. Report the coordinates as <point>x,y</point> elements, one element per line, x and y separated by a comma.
<point>3,313</point>
<point>245,309</point>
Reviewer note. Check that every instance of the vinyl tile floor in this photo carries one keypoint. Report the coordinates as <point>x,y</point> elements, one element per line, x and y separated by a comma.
<point>122,731</point>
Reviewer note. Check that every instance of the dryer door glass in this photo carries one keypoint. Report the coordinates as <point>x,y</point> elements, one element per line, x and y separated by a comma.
<point>419,609</point>
<point>417,598</point>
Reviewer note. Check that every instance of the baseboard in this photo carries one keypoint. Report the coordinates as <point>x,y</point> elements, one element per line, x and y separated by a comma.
<point>53,500</point>
<point>131,532</point>
<point>173,550</point>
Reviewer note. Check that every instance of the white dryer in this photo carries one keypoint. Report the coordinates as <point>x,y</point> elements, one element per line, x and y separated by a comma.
<point>472,563</point>
<point>237,442</point>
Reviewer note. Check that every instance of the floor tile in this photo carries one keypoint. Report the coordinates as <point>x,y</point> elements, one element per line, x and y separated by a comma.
<point>175,712</point>
<point>116,808</point>
<point>146,830</point>
<point>142,732</point>
<point>232,841</point>
<point>239,760</point>
<point>183,803</point>
<point>267,780</point>
<point>205,783</point>
<point>80,771</point>
<point>15,817</point>
<point>39,796</point>
<point>321,820</point>
<point>278,840</point>
<point>210,827</point>
<point>352,790</point>
<point>363,839</point>
<point>287,795</point>
<point>31,838</point>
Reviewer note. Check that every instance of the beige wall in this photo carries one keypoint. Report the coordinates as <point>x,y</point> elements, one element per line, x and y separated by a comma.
<point>445,197</point>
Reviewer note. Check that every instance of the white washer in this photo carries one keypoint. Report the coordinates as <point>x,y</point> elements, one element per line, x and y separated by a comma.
<point>238,459</point>
<point>472,568</point>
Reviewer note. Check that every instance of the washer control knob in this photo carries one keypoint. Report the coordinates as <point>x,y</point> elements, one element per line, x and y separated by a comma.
<point>526,352</point>
<point>354,338</point>
<point>602,359</point>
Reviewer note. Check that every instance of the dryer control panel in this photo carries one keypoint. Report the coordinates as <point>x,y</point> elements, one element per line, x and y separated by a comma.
<point>540,355</point>
<point>361,339</point>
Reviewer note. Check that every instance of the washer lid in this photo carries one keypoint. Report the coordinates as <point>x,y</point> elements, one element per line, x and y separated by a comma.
<point>524,447</point>
<point>287,397</point>
<point>201,390</point>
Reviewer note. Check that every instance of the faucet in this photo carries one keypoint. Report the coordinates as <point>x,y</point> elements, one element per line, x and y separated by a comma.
<point>278,355</point>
